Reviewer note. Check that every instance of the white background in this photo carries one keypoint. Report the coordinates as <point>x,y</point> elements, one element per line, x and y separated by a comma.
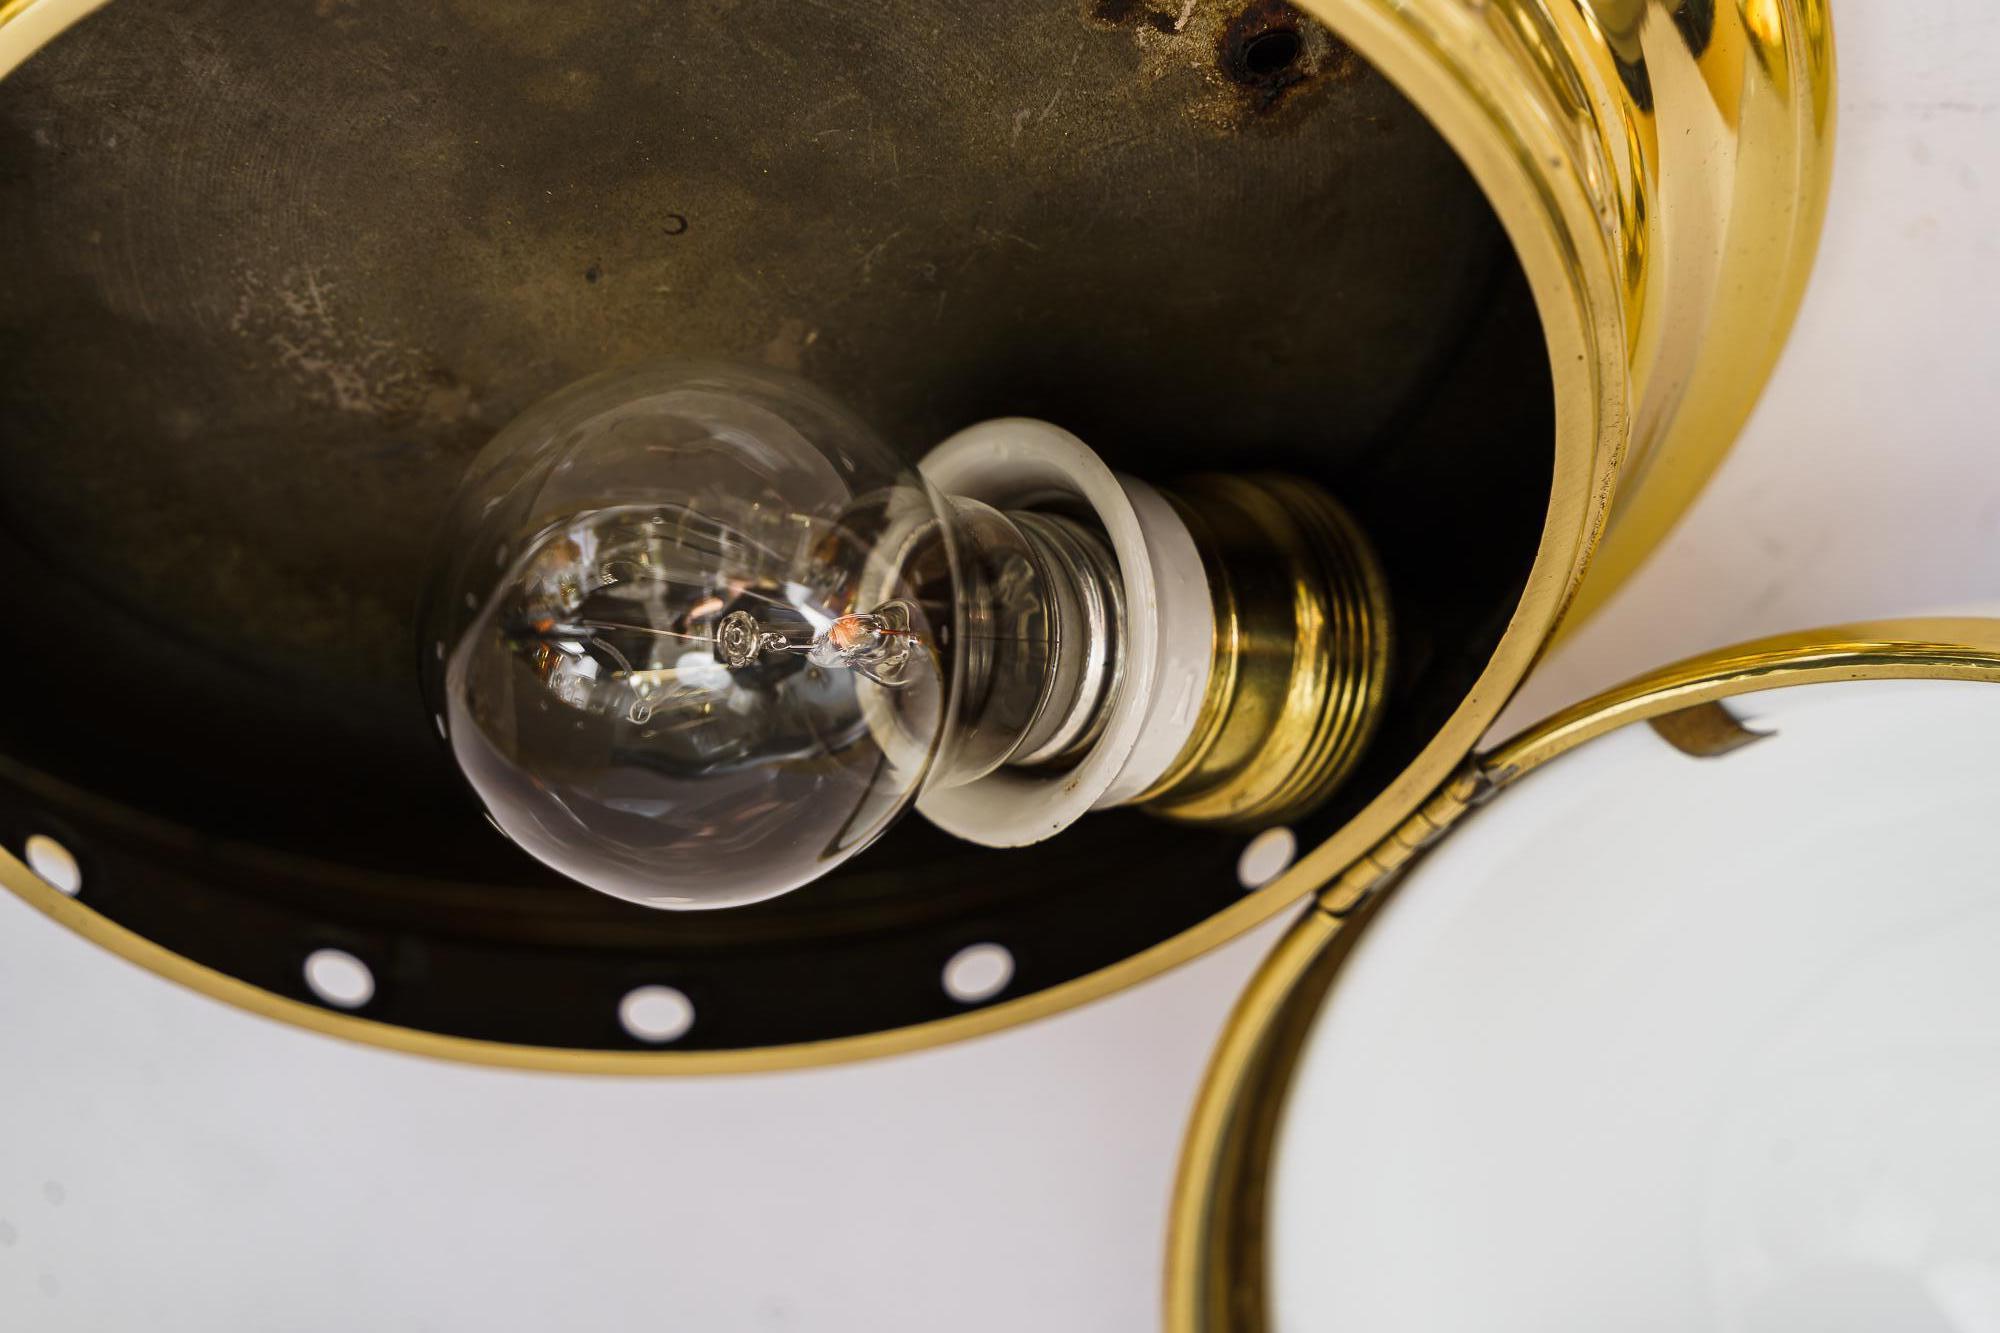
<point>167,1163</point>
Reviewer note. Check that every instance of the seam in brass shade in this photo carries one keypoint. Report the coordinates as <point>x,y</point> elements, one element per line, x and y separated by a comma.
<point>1302,644</point>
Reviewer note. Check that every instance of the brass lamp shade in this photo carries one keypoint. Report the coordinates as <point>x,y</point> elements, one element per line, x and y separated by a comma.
<point>1504,278</point>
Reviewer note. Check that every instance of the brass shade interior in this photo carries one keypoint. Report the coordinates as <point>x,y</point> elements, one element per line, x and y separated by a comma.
<point>276,272</point>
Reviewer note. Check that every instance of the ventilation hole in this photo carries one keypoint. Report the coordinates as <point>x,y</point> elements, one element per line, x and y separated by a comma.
<point>1270,53</point>
<point>1266,856</point>
<point>339,978</point>
<point>52,861</point>
<point>978,972</point>
<point>442,729</point>
<point>656,1014</point>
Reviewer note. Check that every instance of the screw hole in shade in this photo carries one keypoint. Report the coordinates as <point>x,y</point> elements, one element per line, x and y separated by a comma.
<point>339,978</point>
<point>656,1014</point>
<point>53,863</point>
<point>1273,52</point>
<point>1266,856</point>
<point>978,972</point>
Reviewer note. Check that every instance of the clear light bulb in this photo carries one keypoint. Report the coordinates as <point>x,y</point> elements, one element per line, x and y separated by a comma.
<point>692,640</point>
<point>699,637</point>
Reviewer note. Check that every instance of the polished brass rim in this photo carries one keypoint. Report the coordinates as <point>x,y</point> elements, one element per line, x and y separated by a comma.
<point>1722,171</point>
<point>28,25</point>
<point>1215,1255</point>
<point>1762,114</point>
<point>1301,653</point>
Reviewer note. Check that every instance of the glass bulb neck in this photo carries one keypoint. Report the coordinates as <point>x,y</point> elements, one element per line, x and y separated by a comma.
<point>1042,615</point>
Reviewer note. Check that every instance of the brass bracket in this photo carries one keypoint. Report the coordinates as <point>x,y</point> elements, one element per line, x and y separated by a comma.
<point>1706,731</point>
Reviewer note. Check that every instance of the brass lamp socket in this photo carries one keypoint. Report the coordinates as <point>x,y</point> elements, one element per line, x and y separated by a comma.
<point>1301,652</point>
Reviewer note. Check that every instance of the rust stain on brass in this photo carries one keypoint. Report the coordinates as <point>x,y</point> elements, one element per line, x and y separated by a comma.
<point>1258,64</point>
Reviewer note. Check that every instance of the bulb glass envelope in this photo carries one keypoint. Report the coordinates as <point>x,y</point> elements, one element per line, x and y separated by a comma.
<point>1567,252</point>
<point>677,643</point>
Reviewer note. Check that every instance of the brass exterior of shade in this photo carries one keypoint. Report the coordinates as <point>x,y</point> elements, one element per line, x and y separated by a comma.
<point>1216,1246</point>
<point>1663,195</point>
<point>1302,639</point>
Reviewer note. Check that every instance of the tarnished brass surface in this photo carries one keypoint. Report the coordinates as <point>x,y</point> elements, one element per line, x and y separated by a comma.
<point>1215,1265</point>
<point>1302,653</point>
<point>278,269</point>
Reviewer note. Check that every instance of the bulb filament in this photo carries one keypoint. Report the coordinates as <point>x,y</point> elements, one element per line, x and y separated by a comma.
<point>875,644</point>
